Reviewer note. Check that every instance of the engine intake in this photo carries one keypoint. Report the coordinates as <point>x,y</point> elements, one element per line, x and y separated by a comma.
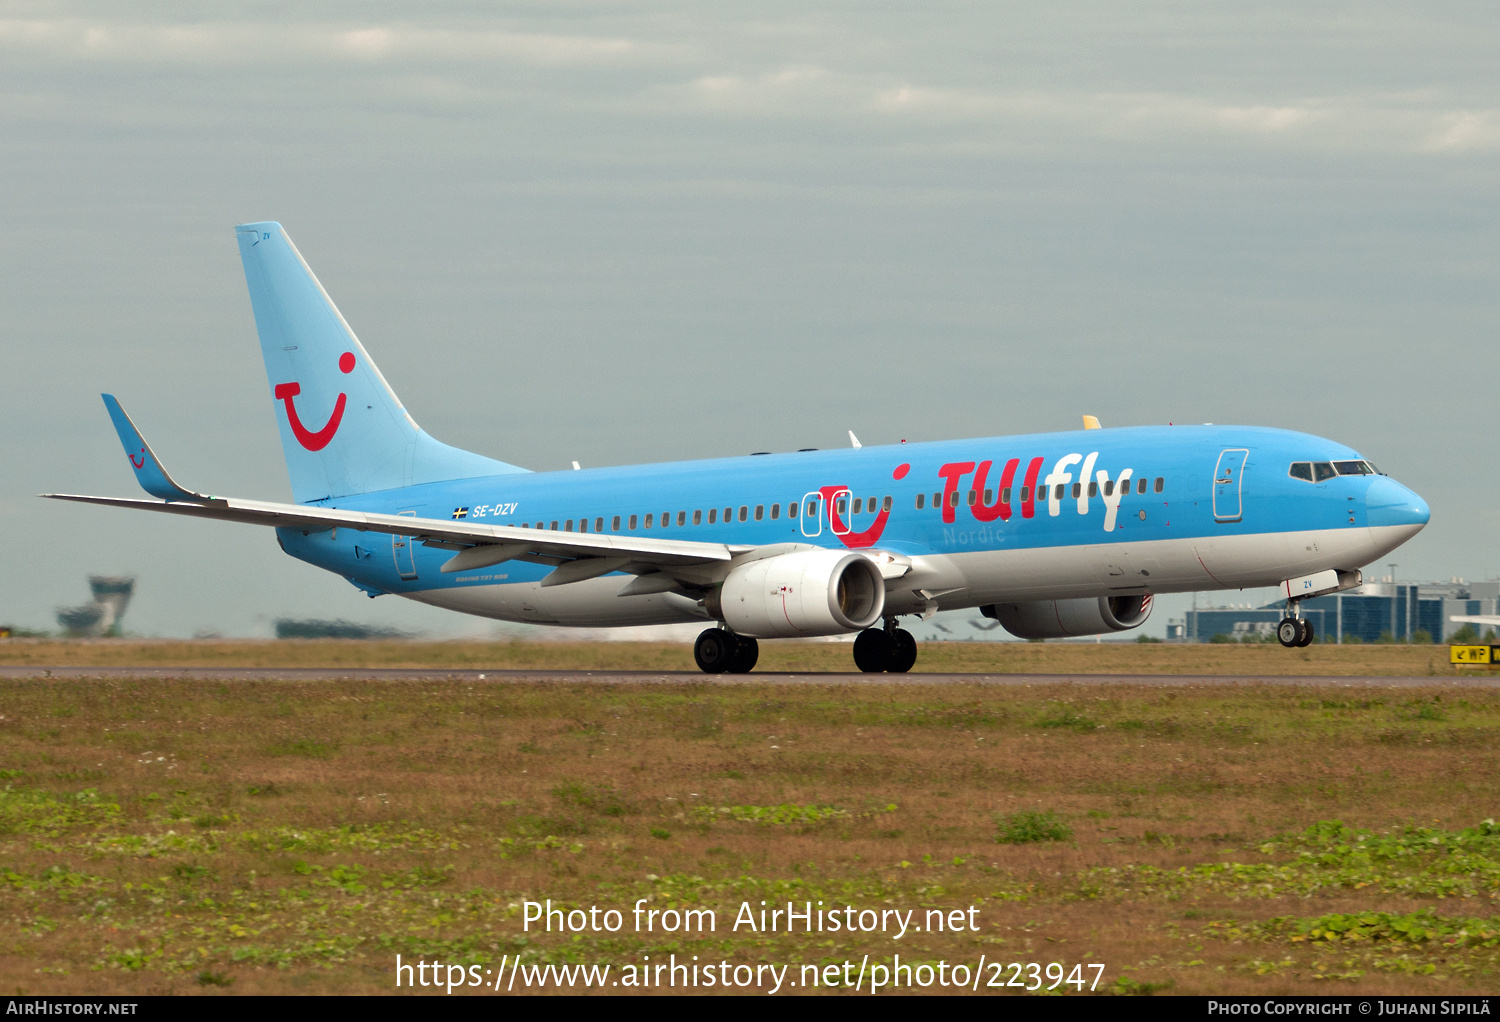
<point>1056,619</point>
<point>809,592</point>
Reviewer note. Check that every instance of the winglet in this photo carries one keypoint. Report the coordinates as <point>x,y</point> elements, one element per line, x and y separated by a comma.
<point>148,469</point>
<point>854,441</point>
<point>1090,422</point>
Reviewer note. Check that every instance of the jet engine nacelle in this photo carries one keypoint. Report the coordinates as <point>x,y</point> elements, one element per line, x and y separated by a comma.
<point>809,592</point>
<point>1056,619</point>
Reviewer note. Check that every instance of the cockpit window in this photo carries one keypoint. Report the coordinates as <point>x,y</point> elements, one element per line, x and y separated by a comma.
<point>1301,470</point>
<point>1322,470</point>
<point>1352,468</point>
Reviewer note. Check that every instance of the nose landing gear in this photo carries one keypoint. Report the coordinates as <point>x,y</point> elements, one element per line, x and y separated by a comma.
<point>1294,630</point>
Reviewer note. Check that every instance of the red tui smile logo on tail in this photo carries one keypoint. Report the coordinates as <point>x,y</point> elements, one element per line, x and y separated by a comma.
<point>315,440</point>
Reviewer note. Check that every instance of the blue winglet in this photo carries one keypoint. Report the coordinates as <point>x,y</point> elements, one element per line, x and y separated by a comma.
<point>148,469</point>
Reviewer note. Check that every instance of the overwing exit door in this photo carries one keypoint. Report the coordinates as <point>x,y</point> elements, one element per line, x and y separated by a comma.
<point>812,514</point>
<point>1228,489</point>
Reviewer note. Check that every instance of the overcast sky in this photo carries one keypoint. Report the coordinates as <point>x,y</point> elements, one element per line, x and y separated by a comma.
<point>637,232</point>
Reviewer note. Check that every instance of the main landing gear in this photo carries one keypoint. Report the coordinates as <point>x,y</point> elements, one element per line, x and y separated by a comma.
<point>720,651</point>
<point>1294,629</point>
<point>885,649</point>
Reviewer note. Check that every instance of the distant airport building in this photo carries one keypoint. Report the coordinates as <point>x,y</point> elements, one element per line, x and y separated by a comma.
<point>1365,614</point>
<point>313,628</point>
<point>101,617</point>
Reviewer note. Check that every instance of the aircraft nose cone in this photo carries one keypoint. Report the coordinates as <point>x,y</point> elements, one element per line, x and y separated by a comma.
<point>1387,502</point>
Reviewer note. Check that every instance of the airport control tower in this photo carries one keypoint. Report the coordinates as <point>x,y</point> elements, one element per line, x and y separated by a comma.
<point>102,617</point>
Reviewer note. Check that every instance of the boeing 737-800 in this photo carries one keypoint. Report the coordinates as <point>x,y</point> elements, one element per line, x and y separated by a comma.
<point>1050,534</point>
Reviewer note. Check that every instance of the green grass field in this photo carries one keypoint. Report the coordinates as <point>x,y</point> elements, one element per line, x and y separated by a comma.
<point>188,836</point>
<point>786,655</point>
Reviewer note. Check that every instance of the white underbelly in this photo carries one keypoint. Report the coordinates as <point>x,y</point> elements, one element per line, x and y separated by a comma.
<point>589,604</point>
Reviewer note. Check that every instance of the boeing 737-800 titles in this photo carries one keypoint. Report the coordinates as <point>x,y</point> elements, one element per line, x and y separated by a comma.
<point>1051,534</point>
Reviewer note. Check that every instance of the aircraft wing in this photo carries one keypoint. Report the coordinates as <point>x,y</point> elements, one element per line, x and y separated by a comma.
<point>1478,619</point>
<point>587,555</point>
<point>576,555</point>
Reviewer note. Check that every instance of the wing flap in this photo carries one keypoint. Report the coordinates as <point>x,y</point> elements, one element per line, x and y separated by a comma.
<point>465,534</point>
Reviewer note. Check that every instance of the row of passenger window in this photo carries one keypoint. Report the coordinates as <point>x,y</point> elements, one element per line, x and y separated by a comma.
<point>1061,491</point>
<point>635,522</point>
<point>1317,471</point>
<point>810,508</point>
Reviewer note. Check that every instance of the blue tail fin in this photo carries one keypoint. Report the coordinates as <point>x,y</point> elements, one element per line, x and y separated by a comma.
<point>343,430</point>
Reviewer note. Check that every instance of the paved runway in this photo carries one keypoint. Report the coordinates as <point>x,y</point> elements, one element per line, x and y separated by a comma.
<point>768,678</point>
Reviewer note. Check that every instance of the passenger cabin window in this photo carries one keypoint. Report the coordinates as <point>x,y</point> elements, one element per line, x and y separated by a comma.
<point>1160,484</point>
<point>632,521</point>
<point>921,501</point>
<point>1025,494</point>
<point>937,500</point>
<point>791,510</point>
<point>1057,491</point>
<point>1109,487</point>
<point>744,511</point>
<point>698,517</point>
<point>614,524</point>
<point>859,504</point>
<point>775,511</point>
<point>1093,489</point>
<point>760,512</point>
<point>1077,490</point>
<point>681,518</point>
<point>650,519</point>
<point>728,515</point>
<point>1140,485</point>
<point>886,504</point>
<point>1005,495</point>
<point>811,508</point>
<point>666,519</point>
<point>842,505</point>
<point>1322,470</point>
<point>1352,468</point>
<point>583,525</point>
<point>713,515</point>
<point>953,499</point>
<point>554,525</point>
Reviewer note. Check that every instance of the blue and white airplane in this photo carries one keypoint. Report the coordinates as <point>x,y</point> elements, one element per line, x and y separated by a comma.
<point>1050,534</point>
